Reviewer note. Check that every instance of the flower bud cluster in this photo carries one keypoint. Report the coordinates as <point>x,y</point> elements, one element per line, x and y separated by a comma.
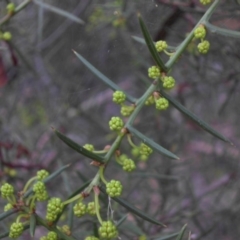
<point>91,238</point>
<point>127,110</point>
<point>42,174</point>
<point>116,124</point>
<point>161,46</point>
<point>119,97</point>
<point>89,147</point>
<point>168,82</point>
<point>161,103</point>
<point>203,47</point>
<point>6,190</point>
<point>108,230</point>
<point>205,2</point>
<point>16,230</point>
<point>114,188</point>
<point>154,72</point>
<point>80,209</point>
<point>54,207</point>
<point>40,191</point>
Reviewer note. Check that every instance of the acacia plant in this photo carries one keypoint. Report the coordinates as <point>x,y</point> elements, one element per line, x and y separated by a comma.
<point>23,203</point>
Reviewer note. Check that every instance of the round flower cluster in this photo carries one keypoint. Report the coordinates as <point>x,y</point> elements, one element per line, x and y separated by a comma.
<point>162,103</point>
<point>119,97</point>
<point>128,165</point>
<point>126,110</point>
<point>10,8</point>
<point>108,230</point>
<point>66,229</point>
<point>205,2</point>
<point>91,208</point>
<point>43,238</point>
<point>145,150</point>
<point>8,207</point>
<point>116,124</point>
<point>54,207</point>
<point>52,236</point>
<point>114,188</point>
<point>16,230</point>
<point>200,32</point>
<point>6,190</point>
<point>42,174</point>
<point>150,100</point>
<point>91,238</point>
<point>40,191</point>
<point>79,209</point>
<point>7,36</point>
<point>154,72</point>
<point>89,147</point>
<point>161,46</point>
<point>168,82</point>
<point>203,47</point>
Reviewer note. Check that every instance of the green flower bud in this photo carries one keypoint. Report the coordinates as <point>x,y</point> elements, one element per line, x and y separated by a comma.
<point>126,110</point>
<point>162,103</point>
<point>145,150</point>
<point>11,8</point>
<point>168,82</point>
<point>40,191</point>
<point>16,230</point>
<point>205,2</point>
<point>116,124</point>
<point>7,36</point>
<point>108,230</point>
<point>114,188</point>
<point>66,229</point>
<point>150,100</point>
<point>54,207</point>
<point>79,209</point>
<point>154,72</point>
<point>89,147</point>
<point>200,32</point>
<point>43,238</point>
<point>6,190</point>
<point>128,165</point>
<point>161,45</point>
<point>91,208</point>
<point>143,158</point>
<point>135,152</point>
<point>119,97</point>
<point>52,236</point>
<point>203,47</point>
<point>8,207</point>
<point>91,238</point>
<point>42,174</point>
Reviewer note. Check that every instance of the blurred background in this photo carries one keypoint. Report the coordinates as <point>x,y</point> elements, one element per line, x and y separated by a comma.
<point>44,85</point>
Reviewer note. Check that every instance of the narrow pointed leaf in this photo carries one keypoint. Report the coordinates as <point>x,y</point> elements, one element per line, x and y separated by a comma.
<point>151,45</point>
<point>32,225</point>
<point>6,214</point>
<point>151,143</point>
<point>59,11</point>
<point>193,117</point>
<point>134,210</point>
<point>121,220</point>
<point>79,148</point>
<point>180,235</point>
<point>49,178</point>
<point>105,79</point>
<point>222,31</point>
<point>167,237</point>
